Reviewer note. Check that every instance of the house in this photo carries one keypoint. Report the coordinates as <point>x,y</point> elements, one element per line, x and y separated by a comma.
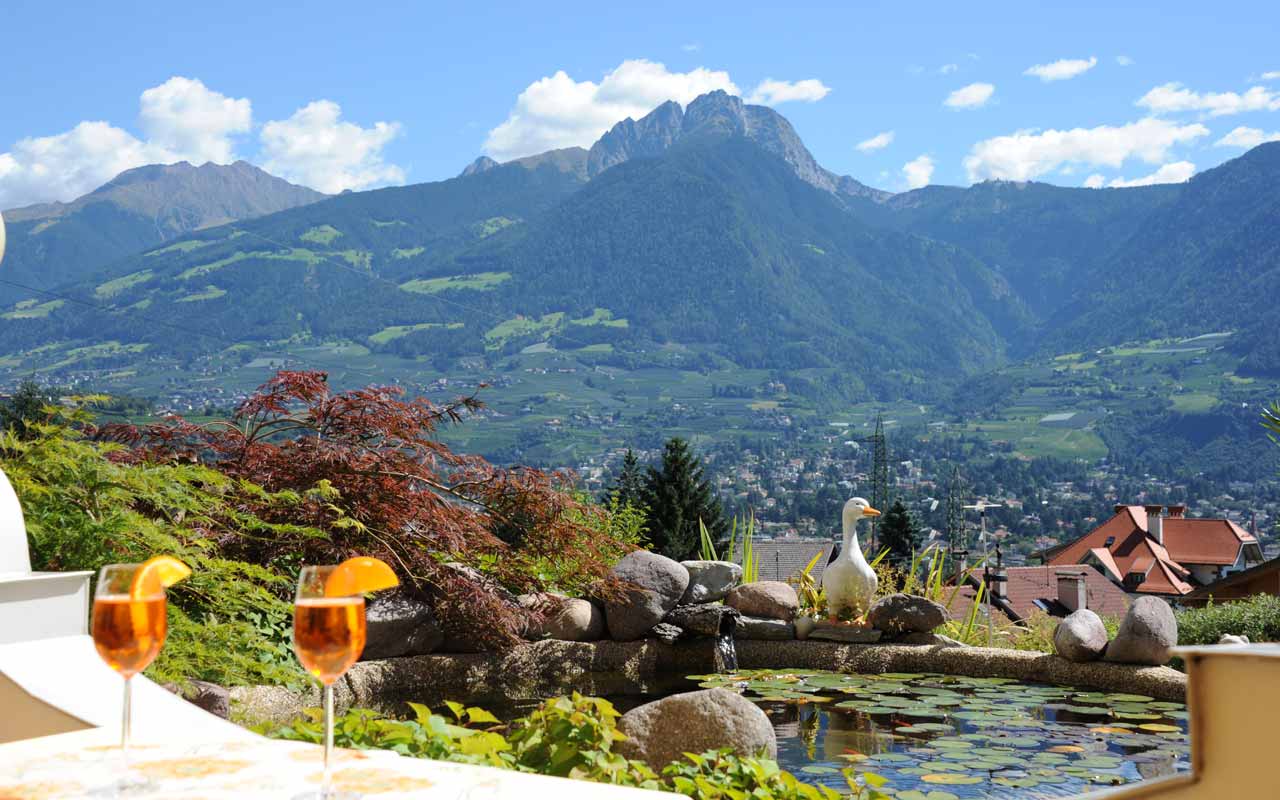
<point>1151,550</point>
<point>1056,591</point>
<point>785,559</point>
<point>1261,578</point>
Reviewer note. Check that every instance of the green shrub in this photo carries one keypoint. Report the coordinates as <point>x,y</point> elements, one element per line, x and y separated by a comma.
<point>569,737</point>
<point>1257,617</point>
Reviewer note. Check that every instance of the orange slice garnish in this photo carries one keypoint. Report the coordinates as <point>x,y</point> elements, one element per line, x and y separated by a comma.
<point>359,575</point>
<point>155,575</point>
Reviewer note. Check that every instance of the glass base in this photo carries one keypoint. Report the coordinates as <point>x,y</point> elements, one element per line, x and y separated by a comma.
<point>332,794</point>
<point>127,785</point>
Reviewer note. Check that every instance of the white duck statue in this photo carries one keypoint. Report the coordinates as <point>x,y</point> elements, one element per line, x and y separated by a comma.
<point>849,581</point>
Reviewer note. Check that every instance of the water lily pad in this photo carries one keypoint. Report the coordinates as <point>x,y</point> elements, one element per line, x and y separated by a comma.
<point>916,794</point>
<point>1129,698</point>
<point>819,769</point>
<point>951,779</point>
<point>1156,728</point>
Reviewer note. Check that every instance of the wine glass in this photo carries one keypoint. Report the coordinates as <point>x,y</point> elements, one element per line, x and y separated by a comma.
<point>129,628</point>
<point>328,636</point>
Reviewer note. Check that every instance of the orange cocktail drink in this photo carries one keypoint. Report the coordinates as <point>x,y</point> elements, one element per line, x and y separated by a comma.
<point>128,632</point>
<point>328,635</point>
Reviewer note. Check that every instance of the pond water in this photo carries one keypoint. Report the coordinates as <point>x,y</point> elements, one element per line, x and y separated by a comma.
<point>943,737</point>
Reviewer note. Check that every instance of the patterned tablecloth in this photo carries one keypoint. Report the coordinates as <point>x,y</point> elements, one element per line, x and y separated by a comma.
<point>80,765</point>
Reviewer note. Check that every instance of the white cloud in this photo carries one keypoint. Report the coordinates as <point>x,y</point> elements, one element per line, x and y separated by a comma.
<point>691,47</point>
<point>558,111</point>
<point>918,171</point>
<point>1094,181</point>
<point>877,142</point>
<point>1174,97</point>
<point>317,148</point>
<point>195,123</point>
<point>1177,172</point>
<point>1274,75</point>
<point>182,119</point>
<point>1062,69</point>
<point>770,92</point>
<point>1124,61</point>
<point>975,95</point>
<point>1027,154</point>
<point>947,69</point>
<point>1247,137</point>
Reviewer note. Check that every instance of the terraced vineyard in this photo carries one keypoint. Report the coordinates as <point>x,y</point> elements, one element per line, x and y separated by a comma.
<point>943,737</point>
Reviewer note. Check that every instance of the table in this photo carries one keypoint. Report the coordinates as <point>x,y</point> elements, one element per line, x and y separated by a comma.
<point>72,765</point>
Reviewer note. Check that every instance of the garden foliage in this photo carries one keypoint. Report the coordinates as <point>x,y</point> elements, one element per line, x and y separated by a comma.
<point>571,737</point>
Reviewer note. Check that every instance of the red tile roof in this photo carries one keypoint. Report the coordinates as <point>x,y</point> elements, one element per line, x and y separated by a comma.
<point>1130,548</point>
<point>1036,588</point>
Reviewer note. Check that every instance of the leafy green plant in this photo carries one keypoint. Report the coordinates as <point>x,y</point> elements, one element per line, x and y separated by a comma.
<point>813,598</point>
<point>1258,617</point>
<point>570,737</point>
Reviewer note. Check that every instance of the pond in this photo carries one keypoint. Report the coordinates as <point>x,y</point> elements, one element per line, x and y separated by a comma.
<point>943,737</point>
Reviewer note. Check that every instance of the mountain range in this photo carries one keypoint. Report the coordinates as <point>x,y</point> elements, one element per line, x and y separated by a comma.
<point>52,244</point>
<point>705,237</point>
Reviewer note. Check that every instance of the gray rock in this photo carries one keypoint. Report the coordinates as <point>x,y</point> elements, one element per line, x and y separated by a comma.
<point>927,640</point>
<point>570,619</point>
<point>665,632</point>
<point>1146,634</point>
<point>204,695</point>
<point>1080,637</point>
<point>1231,638</point>
<point>710,580</point>
<point>705,619</point>
<point>660,732</point>
<point>906,613</point>
<point>399,625</point>
<point>652,585</point>
<point>758,628</point>
<point>769,599</point>
<point>805,625</point>
<point>840,632</point>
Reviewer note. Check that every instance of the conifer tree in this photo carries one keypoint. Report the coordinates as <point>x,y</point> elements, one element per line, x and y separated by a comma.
<point>678,495</point>
<point>899,533</point>
<point>628,485</point>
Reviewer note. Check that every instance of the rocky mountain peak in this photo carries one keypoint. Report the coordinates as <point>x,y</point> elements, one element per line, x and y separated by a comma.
<point>481,164</point>
<point>718,113</point>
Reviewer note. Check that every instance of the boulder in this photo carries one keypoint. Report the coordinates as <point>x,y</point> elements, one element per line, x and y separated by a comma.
<point>705,619</point>
<point>660,732</point>
<point>399,625</point>
<point>1146,634</point>
<point>769,599</point>
<point>210,697</point>
<point>1231,638</point>
<point>570,619</point>
<point>827,631</point>
<point>758,628</point>
<point>665,632</point>
<point>651,585</point>
<point>906,613</point>
<point>1080,637</point>
<point>710,580</point>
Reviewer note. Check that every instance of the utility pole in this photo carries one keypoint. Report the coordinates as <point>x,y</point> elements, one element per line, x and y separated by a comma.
<point>879,476</point>
<point>957,540</point>
<point>990,577</point>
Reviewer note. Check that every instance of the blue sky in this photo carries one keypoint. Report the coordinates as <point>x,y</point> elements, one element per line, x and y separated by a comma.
<point>342,95</point>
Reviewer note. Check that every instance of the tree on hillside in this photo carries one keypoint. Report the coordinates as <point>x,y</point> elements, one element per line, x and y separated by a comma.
<point>678,495</point>
<point>627,488</point>
<point>24,407</point>
<point>899,533</point>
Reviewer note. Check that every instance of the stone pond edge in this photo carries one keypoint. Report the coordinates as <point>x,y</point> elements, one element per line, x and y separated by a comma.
<point>551,667</point>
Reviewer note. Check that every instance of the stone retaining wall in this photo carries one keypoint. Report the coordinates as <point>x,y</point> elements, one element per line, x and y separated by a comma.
<point>548,668</point>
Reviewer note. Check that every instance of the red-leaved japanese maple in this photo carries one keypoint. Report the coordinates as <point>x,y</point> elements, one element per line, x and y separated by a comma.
<point>371,477</point>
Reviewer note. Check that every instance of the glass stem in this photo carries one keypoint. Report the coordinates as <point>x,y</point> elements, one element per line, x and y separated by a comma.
<point>328,736</point>
<point>126,720</point>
